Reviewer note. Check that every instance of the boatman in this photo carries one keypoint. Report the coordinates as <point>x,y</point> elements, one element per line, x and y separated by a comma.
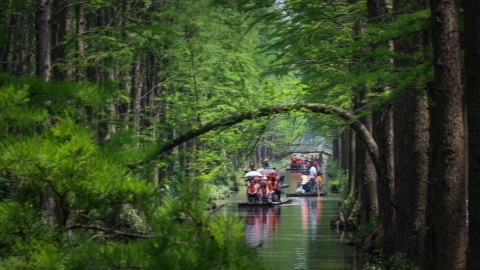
<point>312,176</point>
<point>265,163</point>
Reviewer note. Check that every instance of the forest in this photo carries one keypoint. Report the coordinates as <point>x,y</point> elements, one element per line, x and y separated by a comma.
<point>122,119</point>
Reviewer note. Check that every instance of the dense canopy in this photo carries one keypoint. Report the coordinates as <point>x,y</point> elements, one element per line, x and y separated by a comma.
<point>121,120</point>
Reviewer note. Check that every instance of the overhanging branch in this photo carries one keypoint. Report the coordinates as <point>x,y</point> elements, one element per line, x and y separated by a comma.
<point>228,121</point>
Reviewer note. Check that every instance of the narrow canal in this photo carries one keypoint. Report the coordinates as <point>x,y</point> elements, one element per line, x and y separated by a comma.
<point>296,235</point>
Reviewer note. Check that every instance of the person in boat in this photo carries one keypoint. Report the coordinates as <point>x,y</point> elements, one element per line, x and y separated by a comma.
<point>264,192</point>
<point>299,162</point>
<point>306,159</point>
<point>252,190</point>
<point>293,162</point>
<point>319,179</point>
<point>304,178</point>
<point>312,177</point>
<point>304,184</point>
<point>265,163</point>
<point>281,180</point>
<point>272,185</point>
<point>300,190</point>
<point>315,164</point>
<point>252,166</point>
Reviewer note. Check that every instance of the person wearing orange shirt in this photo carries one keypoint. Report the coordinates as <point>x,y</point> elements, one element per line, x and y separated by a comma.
<point>252,196</point>
<point>272,186</point>
<point>319,179</point>
<point>293,163</point>
<point>263,191</point>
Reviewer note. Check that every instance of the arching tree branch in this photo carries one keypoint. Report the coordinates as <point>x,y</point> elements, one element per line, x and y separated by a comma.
<point>364,134</point>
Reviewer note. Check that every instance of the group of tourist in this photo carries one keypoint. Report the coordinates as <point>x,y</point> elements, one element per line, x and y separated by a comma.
<point>311,180</point>
<point>302,161</point>
<point>263,189</point>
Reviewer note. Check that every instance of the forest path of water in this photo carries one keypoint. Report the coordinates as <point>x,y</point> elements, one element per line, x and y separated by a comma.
<point>296,235</point>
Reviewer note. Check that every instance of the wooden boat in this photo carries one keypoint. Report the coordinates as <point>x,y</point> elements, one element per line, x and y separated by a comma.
<point>246,204</point>
<point>307,194</point>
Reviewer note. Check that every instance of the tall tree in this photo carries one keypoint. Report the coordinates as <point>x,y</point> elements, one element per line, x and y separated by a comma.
<point>446,214</point>
<point>383,132</point>
<point>43,29</point>
<point>411,143</point>
<point>59,25</point>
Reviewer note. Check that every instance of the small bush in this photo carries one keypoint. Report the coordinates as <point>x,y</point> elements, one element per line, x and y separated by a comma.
<point>337,179</point>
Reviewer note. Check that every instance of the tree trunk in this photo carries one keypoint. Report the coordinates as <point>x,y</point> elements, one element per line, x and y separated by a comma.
<point>18,52</point>
<point>366,174</point>
<point>411,149</point>
<point>43,40</point>
<point>336,148</point>
<point>124,108</point>
<point>446,215</point>
<point>152,88</point>
<point>59,31</point>
<point>43,70</point>
<point>5,49</point>
<point>472,86</point>
<point>353,163</point>
<point>137,95</point>
<point>344,149</point>
<point>383,133</point>
<point>385,184</point>
<point>80,73</point>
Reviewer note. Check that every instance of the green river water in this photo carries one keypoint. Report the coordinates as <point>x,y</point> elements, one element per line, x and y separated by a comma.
<point>296,235</point>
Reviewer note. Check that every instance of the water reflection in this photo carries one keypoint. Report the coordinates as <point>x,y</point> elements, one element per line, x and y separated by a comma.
<point>260,223</point>
<point>311,212</point>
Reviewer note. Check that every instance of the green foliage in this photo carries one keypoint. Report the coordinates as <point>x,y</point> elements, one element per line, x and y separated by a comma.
<point>335,58</point>
<point>366,229</point>
<point>104,214</point>
<point>395,262</point>
<point>348,205</point>
<point>186,237</point>
<point>207,59</point>
<point>338,179</point>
